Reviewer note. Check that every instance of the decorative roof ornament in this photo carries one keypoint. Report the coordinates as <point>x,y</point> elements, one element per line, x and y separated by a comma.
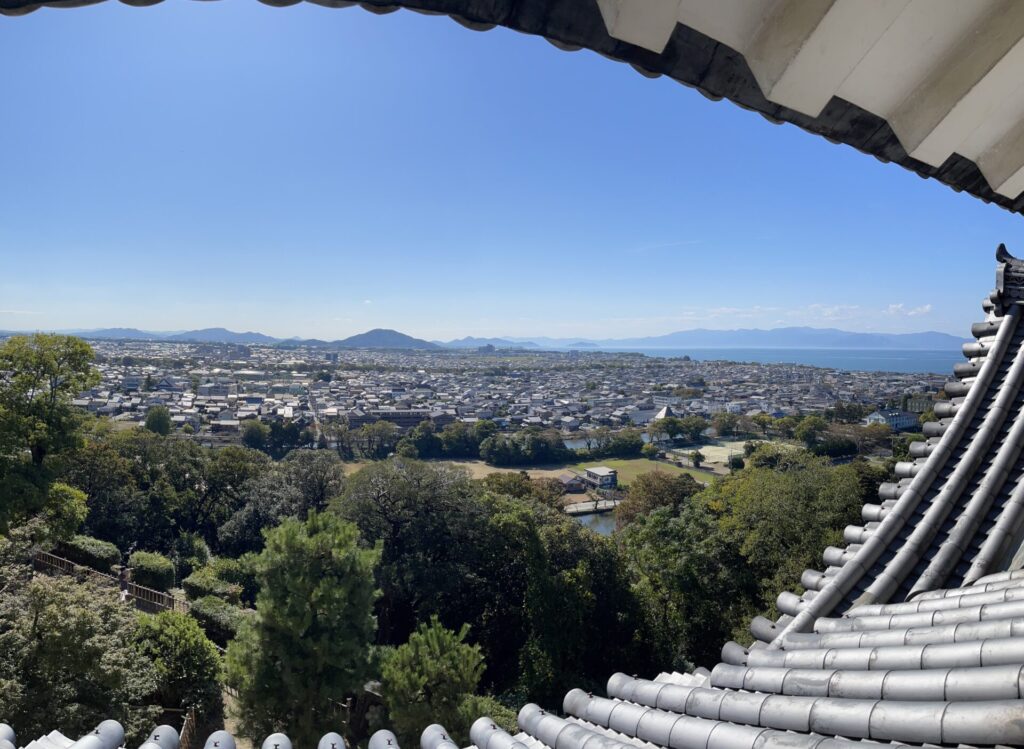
<point>1009,279</point>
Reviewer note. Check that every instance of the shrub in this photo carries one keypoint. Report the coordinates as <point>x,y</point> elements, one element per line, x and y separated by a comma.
<point>240,572</point>
<point>205,582</point>
<point>190,553</point>
<point>91,552</point>
<point>474,706</point>
<point>152,570</point>
<point>218,618</point>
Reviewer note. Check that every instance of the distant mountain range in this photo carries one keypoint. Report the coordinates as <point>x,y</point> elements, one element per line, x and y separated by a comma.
<point>377,338</point>
<point>381,338</point>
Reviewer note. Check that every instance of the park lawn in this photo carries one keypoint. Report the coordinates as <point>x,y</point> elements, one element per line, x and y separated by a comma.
<point>629,468</point>
<point>477,468</point>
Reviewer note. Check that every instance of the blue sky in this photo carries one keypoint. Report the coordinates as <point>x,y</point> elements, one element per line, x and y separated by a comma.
<point>316,172</point>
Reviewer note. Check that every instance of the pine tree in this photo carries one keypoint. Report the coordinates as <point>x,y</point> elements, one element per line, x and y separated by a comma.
<point>307,648</point>
<point>428,679</point>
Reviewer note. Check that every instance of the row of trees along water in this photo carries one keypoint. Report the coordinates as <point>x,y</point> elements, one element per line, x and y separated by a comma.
<point>459,597</point>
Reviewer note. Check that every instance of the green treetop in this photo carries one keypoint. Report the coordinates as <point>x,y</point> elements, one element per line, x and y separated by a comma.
<point>39,376</point>
<point>308,646</point>
<point>428,679</point>
<point>158,419</point>
<point>67,655</point>
<point>187,663</point>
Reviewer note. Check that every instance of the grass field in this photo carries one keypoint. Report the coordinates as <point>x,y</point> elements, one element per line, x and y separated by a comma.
<point>477,468</point>
<point>629,469</point>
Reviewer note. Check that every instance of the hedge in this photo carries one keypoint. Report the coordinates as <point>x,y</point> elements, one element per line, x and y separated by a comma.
<point>152,570</point>
<point>218,618</point>
<point>91,552</point>
<point>204,582</point>
<point>240,572</point>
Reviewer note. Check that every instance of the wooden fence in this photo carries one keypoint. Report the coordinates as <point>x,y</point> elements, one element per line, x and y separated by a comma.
<point>143,598</point>
<point>187,735</point>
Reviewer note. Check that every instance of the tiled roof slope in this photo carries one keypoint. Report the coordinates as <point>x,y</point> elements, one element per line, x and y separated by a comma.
<point>913,634</point>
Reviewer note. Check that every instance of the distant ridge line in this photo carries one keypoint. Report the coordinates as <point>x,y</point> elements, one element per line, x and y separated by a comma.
<point>699,338</point>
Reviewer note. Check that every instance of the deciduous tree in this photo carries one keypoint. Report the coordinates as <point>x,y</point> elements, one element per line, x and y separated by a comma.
<point>265,501</point>
<point>255,434</point>
<point>377,440</point>
<point>39,376</point>
<point>725,423</point>
<point>692,427</point>
<point>781,514</point>
<point>810,429</point>
<point>764,422</point>
<point>67,655</point>
<point>65,510</point>
<point>692,581</point>
<point>158,420</point>
<point>317,474</point>
<point>651,491</point>
<point>188,667</point>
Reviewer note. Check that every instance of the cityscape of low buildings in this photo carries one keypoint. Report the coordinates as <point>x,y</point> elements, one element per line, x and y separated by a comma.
<point>211,390</point>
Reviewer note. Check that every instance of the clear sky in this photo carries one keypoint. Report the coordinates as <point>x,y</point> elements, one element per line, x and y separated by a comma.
<point>316,172</point>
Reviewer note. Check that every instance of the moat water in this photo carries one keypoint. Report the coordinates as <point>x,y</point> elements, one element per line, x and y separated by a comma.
<point>603,523</point>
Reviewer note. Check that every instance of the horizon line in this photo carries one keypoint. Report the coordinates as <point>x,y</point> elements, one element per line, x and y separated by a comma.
<point>510,338</point>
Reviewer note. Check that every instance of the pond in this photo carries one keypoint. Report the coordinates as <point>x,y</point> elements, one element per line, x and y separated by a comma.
<point>599,522</point>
